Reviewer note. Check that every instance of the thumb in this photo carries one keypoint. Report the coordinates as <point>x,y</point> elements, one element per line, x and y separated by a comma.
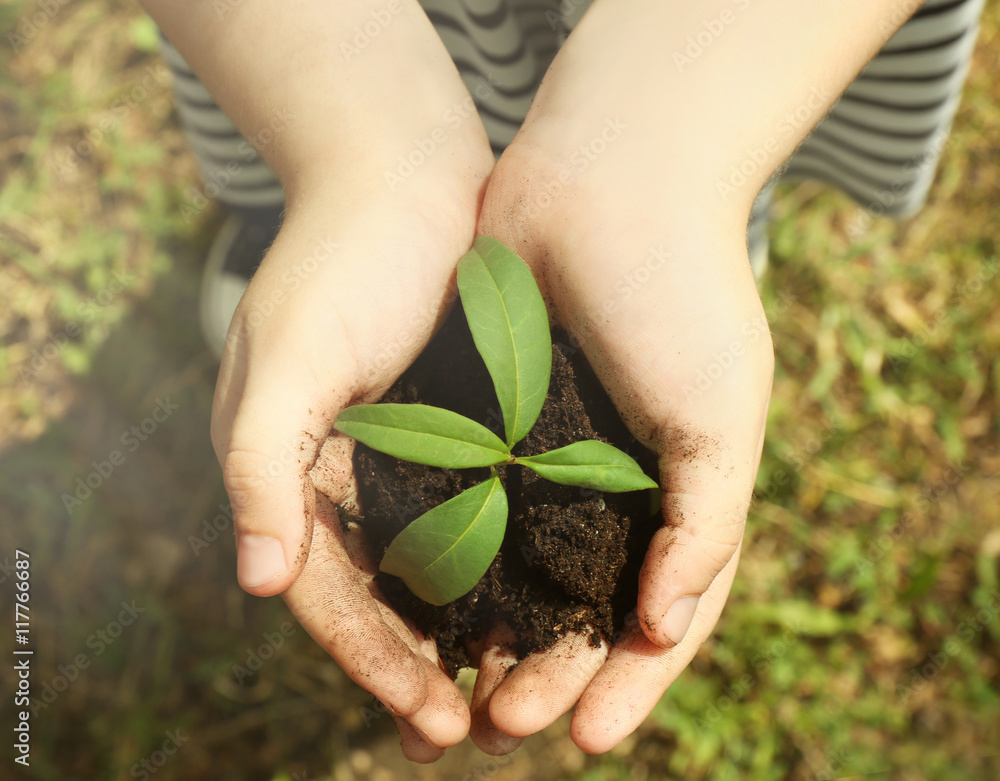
<point>272,513</point>
<point>702,531</point>
<point>267,430</point>
<point>707,483</point>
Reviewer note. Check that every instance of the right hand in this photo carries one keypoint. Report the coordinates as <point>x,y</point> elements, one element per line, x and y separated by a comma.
<point>346,298</point>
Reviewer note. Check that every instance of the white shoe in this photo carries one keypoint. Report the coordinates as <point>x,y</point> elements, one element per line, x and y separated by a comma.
<point>238,249</point>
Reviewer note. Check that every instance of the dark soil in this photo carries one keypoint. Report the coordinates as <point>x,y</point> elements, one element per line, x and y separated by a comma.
<point>571,556</point>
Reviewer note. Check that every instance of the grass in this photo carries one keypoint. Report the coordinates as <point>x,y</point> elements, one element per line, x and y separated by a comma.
<point>858,640</point>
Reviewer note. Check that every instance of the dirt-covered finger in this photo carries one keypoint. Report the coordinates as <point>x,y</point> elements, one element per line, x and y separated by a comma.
<point>546,685</point>
<point>495,660</point>
<point>638,672</point>
<point>332,601</point>
<point>416,746</point>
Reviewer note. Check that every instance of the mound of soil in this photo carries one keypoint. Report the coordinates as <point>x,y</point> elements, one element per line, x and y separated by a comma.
<point>571,556</point>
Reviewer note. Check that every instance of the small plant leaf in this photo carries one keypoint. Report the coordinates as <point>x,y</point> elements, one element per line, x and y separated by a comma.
<point>590,464</point>
<point>423,434</point>
<point>442,554</point>
<point>510,326</point>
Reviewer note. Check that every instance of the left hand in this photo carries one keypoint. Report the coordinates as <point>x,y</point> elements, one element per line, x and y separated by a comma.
<point>665,308</point>
<point>651,275</point>
<point>619,192</point>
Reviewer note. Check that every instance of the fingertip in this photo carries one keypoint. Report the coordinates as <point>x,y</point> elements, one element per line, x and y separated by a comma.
<point>485,733</point>
<point>588,741</point>
<point>592,729</point>
<point>380,662</point>
<point>678,619</point>
<point>495,662</point>
<point>273,519</point>
<point>444,719</point>
<point>443,731</point>
<point>667,628</point>
<point>651,629</point>
<point>410,699</point>
<point>262,567</point>
<point>546,685</point>
<point>415,745</point>
<point>681,564</point>
<point>491,740</point>
<point>511,713</point>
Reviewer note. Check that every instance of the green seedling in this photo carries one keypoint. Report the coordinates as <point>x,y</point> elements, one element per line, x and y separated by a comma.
<point>442,554</point>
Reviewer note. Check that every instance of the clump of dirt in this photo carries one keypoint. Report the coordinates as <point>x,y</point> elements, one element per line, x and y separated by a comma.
<point>571,556</point>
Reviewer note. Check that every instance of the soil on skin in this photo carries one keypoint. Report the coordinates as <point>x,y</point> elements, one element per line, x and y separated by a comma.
<point>571,556</point>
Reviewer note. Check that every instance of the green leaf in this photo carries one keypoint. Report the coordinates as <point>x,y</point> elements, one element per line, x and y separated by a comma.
<point>510,326</point>
<point>444,552</point>
<point>590,464</point>
<point>423,434</point>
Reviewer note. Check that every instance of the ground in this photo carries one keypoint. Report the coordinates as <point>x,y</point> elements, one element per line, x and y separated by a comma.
<point>860,637</point>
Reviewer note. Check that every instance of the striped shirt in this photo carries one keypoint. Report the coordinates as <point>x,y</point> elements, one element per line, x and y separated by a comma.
<point>880,143</point>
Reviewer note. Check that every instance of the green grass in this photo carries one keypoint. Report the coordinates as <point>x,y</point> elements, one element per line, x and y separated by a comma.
<point>857,639</point>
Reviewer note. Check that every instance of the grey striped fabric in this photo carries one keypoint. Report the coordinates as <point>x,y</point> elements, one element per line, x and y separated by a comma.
<point>880,143</point>
<point>233,171</point>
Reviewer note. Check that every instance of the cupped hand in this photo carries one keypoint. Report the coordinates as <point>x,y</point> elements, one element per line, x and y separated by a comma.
<point>654,283</point>
<point>356,281</point>
<point>628,190</point>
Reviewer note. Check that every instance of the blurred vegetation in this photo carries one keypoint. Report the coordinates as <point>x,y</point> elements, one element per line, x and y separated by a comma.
<point>859,638</point>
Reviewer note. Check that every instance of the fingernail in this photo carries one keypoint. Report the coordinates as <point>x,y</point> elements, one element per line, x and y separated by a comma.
<point>260,559</point>
<point>679,617</point>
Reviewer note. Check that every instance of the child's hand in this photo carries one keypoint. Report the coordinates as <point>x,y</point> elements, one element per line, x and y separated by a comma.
<point>619,191</point>
<point>664,306</point>
<point>637,253</point>
<point>383,160</point>
<point>345,300</point>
